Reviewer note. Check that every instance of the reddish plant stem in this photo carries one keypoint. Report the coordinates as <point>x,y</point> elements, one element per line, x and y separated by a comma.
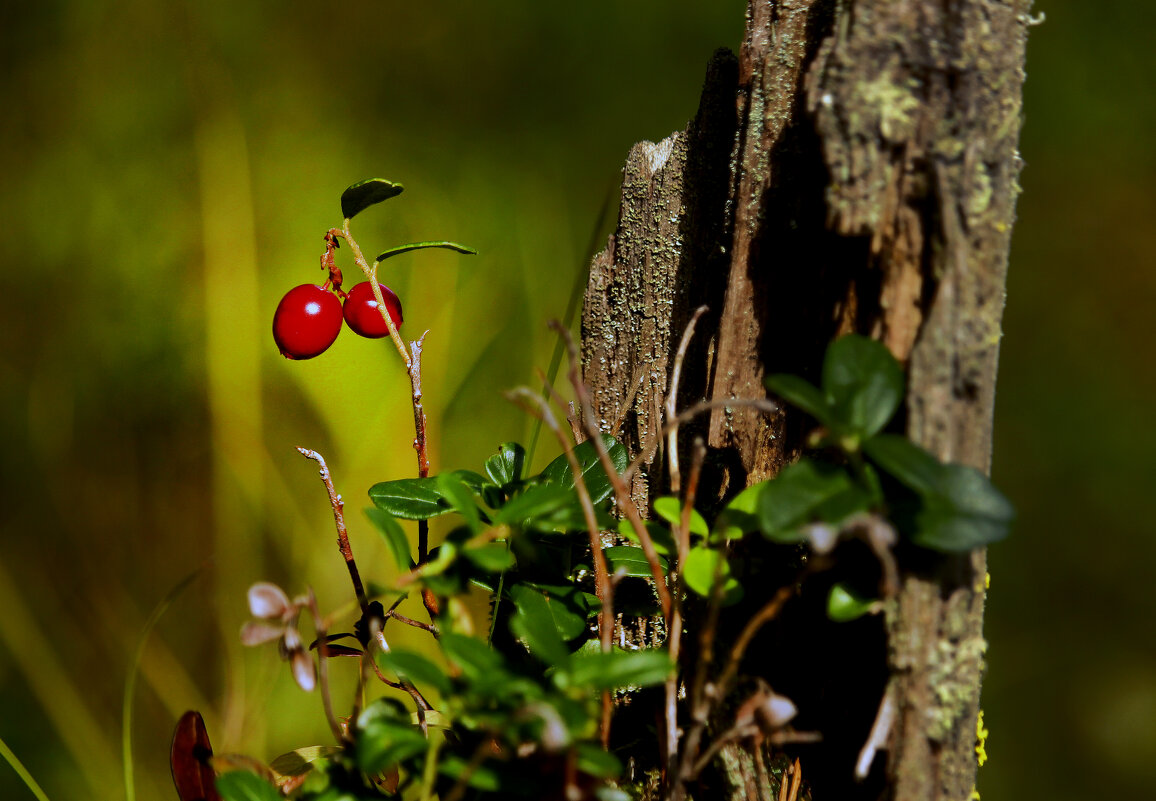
<point>621,494</point>
<point>412,359</point>
<point>342,536</point>
<point>602,585</point>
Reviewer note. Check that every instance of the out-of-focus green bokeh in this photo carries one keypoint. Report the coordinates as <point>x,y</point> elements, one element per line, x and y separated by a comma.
<point>168,170</point>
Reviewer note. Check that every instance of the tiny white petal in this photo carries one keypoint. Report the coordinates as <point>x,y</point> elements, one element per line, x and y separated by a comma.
<point>823,538</point>
<point>267,600</point>
<point>303,671</point>
<point>254,633</point>
<point>779,710</point>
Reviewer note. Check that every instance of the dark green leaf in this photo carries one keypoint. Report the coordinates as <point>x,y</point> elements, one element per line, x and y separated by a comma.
<point>596,762</point>
<point>395,538</point>
<point>967,512</point>
<point>958,508</point>
<point>493,557</point>
<point>416,668</point>
<point>505,467</point>
<point>660,535</point>
<point>534,502</point>
<point>409,498</point>
<point>241,785</point>
<point>566,602</point>
<point>364,194</point>
<point>630,560</point>
<point>699,571</point>
<point>616,669</point>
<point>597,484</point>
<point>864,383</point>
<point>803,394</point>
<point>475,481</point>
<point>385,746</point>
<point>397,251</point>
<point>482,777</point>
<point>808,492</point>
<point>906,461</point>
<point>571,517</point>
<point>669,509</point>
<point>534,625</point>
<point>844,605</point>
<point>451,487</point>
<point>472,655</point>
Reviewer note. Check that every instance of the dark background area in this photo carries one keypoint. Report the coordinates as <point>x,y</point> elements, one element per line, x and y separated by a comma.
<point>168,172</point>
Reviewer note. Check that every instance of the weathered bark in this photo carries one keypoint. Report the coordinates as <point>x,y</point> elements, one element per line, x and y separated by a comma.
<point>854,170</point>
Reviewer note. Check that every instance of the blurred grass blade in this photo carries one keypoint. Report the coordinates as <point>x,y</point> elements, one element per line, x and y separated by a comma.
<point>577,291</point>
<point>21,771</point>
<point>134,671</point>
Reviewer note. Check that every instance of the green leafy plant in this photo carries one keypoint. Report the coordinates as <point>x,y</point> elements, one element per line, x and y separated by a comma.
<point>524,706</point>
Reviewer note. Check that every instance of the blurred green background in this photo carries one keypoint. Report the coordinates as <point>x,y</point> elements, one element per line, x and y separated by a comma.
<point>168,172</point>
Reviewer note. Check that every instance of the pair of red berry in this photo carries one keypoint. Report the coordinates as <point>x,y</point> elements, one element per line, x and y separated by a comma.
<point>308,318</point>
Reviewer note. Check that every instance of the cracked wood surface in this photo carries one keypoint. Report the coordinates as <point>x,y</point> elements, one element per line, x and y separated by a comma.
<point>854,170</point>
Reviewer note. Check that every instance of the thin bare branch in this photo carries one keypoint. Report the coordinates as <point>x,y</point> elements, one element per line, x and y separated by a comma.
<point>621,493</point>
<point>535,405</point>
<point>672,400</point>
<point>342,536</point>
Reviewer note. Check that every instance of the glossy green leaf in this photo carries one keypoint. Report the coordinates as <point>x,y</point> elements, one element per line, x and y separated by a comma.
<point>910,464</point>
<point>958,508</point>
<point>571,517</point>
<point>596,762</point>
<point>616,669</point>
<point>863,382</point>
<point>740,516</point>
<point>410,498</point>
<point>473,656</point>
<point>364,194</point>
<point>386,736</point>
<point>630,560</point>
<point>567,604</point>
<point>534,626</point>
<point>506,466</point>
<point>397,251</point>
<point>493,557</point>
<point>454,491</point>
<point>660,535</point>
<point>416,668</point>
<point>844,605</point>
<point>669,509</point>
<point>699,571</point>
<point>597,484</point>
<point>481,777</point>
<point>241,785</point>
<point>966,513</point>
<point>801,394</point>
<point>808,492</point>
<point>475,481</point>
<point>534,502</point>
<point>395,538</point>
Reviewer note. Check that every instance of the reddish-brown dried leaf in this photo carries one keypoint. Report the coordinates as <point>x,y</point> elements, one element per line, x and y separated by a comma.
<point>191,760</point>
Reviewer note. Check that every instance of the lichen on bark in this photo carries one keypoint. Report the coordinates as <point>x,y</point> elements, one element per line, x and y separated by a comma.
<point>853,169</point>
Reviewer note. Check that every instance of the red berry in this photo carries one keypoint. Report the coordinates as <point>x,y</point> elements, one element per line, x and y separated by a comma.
<point>307,321</point>
<point>361,310</point>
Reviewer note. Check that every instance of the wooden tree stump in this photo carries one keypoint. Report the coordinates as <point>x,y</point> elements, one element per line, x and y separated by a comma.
<point>853,169</point>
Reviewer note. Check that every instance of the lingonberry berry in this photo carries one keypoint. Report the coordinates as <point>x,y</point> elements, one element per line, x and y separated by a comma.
<point>361,310</point>
<point>307,321</point>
